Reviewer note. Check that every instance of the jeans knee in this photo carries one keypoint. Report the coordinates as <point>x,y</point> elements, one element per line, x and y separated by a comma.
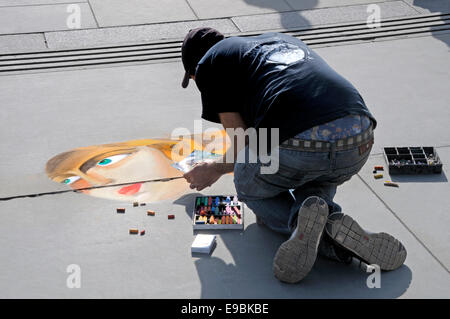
<point>239,180</point>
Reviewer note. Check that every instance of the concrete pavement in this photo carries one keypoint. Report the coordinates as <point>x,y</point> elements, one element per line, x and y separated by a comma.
<point>42,24</point>
<point>404,83</point>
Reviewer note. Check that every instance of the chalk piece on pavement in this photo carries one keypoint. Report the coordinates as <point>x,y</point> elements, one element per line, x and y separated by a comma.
<point>389,183</point>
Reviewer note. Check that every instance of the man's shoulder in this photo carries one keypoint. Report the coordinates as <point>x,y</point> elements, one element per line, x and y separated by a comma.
<point>225,48</point>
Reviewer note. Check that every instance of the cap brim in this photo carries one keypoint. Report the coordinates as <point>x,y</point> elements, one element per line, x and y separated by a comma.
<point>186,79</point>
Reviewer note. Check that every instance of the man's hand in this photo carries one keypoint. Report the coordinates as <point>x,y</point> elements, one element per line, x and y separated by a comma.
<point>203,175</point>
<point>207,173</point>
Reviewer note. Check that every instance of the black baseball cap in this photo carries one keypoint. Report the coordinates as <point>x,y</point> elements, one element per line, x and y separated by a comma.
<point>196,43</point>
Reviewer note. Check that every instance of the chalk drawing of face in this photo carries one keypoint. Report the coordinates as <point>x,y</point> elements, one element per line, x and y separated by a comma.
<point>144,163</point>
<point>118,163</point>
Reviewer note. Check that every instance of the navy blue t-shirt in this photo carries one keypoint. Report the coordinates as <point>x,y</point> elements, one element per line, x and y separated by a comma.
<point>274,81</point>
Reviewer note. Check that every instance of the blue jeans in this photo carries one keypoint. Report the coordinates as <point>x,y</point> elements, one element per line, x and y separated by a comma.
<point>306,173</point>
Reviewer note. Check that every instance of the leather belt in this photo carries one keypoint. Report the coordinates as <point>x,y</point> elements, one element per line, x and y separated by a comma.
<point>364,141</point>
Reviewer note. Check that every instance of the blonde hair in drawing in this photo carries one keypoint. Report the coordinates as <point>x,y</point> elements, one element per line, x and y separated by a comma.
<point>125,162</point>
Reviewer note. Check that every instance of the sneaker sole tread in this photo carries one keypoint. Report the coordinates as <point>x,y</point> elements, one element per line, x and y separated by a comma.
<point>380,249</point>
<point>296,256</point>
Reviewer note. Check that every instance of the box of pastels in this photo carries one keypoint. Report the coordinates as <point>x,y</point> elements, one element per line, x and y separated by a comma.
<point>218,212</point>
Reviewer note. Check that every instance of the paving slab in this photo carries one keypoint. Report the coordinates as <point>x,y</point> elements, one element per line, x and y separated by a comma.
<point>66,107</point>
<point>10,3</point>
<point>230,8</point>
<point>22,43</point>
<point>430,6</point>
<point>314,4</point>
<point>32,19</point>
<point>275,21</point>
<point>298,19</point>
<point>132,34</point>
<point>132,12</point>
<point>421,202</point>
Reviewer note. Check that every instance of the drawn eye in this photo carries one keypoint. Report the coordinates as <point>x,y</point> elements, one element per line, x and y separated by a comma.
<point>111,160</point>
<point>70,180</point>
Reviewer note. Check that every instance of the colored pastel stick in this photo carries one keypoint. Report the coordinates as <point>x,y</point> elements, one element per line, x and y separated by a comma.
<point>217,201</point>
<point>235,200</point>
<point>209,201</point>
<point>234,219</point>
<point>198,201</point>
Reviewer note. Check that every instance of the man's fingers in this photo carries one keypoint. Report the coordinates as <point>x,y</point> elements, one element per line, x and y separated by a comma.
<point>188,177</point>
<point>203,187</point>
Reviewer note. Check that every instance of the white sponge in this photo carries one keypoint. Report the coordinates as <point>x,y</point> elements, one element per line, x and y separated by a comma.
<point>203,243</point>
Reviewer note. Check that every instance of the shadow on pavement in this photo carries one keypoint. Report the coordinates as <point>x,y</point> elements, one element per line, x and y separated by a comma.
<point>432,178</point>
<point>251,276</point>
<point>290,19</point>
<point>435,7</point>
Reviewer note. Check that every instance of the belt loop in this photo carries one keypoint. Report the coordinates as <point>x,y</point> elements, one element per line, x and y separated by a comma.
<point>333,155</point>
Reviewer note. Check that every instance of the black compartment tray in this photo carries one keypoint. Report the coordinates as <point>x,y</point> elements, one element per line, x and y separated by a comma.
<point>412,160</point>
